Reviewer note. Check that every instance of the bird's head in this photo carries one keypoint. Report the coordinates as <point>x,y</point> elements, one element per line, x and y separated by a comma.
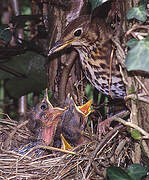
<point>80,32</point>
<point>74,120</point>
<point>46,118</point>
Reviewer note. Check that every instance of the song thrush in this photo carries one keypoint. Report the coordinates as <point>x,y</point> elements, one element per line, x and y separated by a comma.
<point>93,42</point>
<point>74,120</point>
<point>44,119</point>
<point>50,122</point>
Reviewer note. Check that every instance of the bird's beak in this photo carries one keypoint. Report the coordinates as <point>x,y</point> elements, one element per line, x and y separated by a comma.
<point>85,109</point>
<point>49,127</point>
<point>50,121</point>
<point>46,98</point>
<point>47,134</point>
<point>59,46</point>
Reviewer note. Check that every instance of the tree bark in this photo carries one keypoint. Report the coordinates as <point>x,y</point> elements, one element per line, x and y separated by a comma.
<point>60,65</point>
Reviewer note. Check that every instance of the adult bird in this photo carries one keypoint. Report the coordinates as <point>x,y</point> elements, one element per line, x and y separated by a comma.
<point>92,40</point>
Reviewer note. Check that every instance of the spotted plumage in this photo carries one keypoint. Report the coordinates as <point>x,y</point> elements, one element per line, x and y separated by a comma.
<point>93,42</point>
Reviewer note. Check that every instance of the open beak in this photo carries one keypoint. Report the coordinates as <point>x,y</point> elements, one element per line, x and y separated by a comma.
<point>49,127</point>
<point>50,120</point>
<point>59,46</point>
<point>46,98</point>
<point>85,109</point>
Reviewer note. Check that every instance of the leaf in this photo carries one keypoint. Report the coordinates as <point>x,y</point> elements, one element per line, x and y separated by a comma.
<point>135,134</point>
<point>89,91</point>
<point>116,173</point>
<point>131,90</point>
<point>5,33</point>
<point>132,43</point>
<point>32,65</point>
<point>138,13</point>
<point>96,3</point>
<point>137,57</point>
<point>136,171</point>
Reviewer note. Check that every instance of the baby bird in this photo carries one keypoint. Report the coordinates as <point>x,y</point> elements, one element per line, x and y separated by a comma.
<point>51,123</point>
<point>43,120</point>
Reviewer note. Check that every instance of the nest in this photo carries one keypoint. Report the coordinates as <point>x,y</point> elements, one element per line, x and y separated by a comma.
<point>89,160</point>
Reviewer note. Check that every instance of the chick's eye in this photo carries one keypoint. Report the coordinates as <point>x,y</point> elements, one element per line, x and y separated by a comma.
<point>77,33</point>
<point>43,107</point>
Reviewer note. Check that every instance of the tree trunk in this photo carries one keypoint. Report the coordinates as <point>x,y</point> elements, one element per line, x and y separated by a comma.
<point>61,77</point>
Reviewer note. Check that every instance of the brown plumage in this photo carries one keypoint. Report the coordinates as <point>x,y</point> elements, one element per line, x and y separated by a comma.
<point>93,42</point>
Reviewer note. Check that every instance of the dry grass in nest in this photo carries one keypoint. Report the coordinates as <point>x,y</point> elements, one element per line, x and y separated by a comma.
<point>88,160</point>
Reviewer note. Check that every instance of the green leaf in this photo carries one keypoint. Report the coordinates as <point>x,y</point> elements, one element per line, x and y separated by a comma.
<point>138,57</point>
<point>96,3</point>
<point>89,91</point>
<point>135,134</point>
<point>5,33</point>
<point>131,90</point>
<point>138,13</point>
<point>32,65</point>
<point>116,173</point>
<point>42,94</point>
<point>132,43</point>
<point>136,171</point>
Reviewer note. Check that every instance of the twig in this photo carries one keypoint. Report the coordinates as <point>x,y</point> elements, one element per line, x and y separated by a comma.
<point>143,86</point>
<point>137,27</point>
<point>57,149</point>
<point>18,127</point>
<point>146,148</point>
<point>87,168</point>
<point>65,76</point>
<point>11,135</point>
<point>120,146</point>
<point>102,145</point>
<point>110,78</point>
<point>82,173</point>
<point>6,116</point>
<point>146,134</point>
<point>137,97</point>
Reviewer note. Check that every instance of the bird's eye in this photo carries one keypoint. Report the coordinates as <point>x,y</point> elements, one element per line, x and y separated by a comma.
<point>78,32</point>
<point>43,107</point>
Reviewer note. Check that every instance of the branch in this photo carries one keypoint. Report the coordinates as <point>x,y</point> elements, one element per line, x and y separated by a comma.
<point>146,134</point>
<point>65,76</point>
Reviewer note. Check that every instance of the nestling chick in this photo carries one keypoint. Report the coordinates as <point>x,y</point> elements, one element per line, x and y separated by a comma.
<point>50,122</point>
<point>74,120</point>
<point>43,120</point>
